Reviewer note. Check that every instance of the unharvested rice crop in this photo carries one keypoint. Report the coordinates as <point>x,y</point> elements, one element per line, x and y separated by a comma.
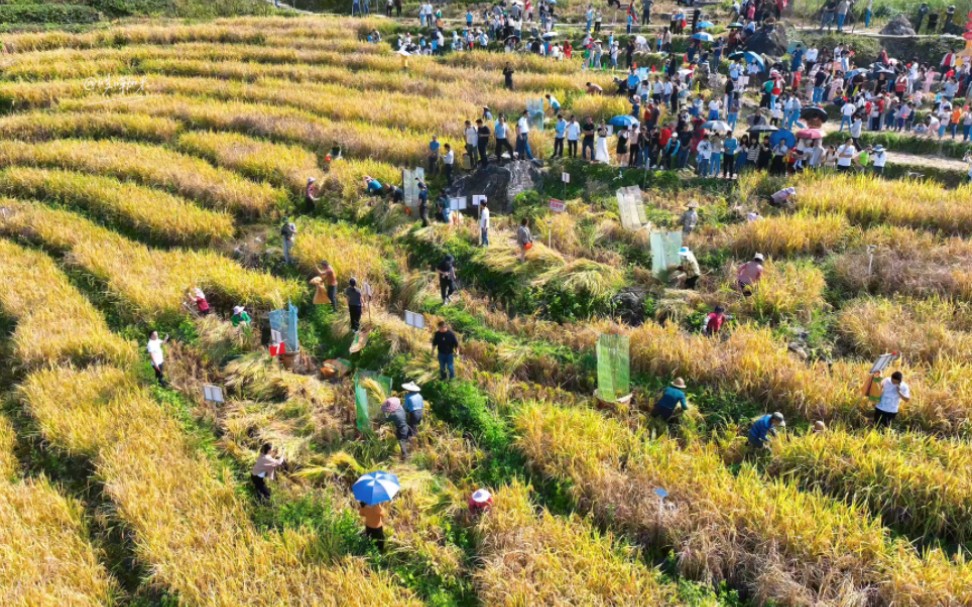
<point>915,482</point>
<point>787,235</point>
<point>156,215</point>
<point>150,282</point>
<point>55,323</point>
<point>43,126</point>
<point>533,559</point>
<point>48,561</point>
<point>154,166</point>
<point>719,524</point>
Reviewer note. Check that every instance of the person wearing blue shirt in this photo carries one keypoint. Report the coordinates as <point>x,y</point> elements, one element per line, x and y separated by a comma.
<point>633,81</point>
<point>433,155</point>
<point>670,152</point>
<point>414,406</point>
<point>765,427</point>
<point>560,130</point>
<point>635,106</point>
<point>554,104</point>
<point>469,18</point>
<point>671,399</point>
<point>374,186</point>
<point>729,156</point>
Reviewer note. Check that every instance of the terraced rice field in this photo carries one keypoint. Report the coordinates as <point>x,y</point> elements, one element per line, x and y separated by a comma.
<point>140,162</point>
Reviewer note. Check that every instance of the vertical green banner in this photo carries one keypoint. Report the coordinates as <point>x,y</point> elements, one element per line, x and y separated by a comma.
<point>613,366</point>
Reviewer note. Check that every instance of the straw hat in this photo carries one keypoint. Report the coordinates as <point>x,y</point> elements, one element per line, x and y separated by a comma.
<point>481,496</point>
<point>679,382</point>
<point>693,205</point>
<point>411,387</point>
<point>758,257</point>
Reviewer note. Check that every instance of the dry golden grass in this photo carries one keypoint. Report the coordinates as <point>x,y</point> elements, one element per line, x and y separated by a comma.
<point>533,559</point>
<point>787,289</point>
<point>154,166</point>
<point>151,283</point>
<point>55,323</point>
<point>159,216</point>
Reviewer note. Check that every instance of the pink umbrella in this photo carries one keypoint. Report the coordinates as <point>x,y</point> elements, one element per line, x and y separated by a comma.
<point>809,134</point>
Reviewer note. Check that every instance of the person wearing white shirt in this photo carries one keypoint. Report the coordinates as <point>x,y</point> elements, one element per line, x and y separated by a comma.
<point>449,162</point>
<point>155,354</point>
<point>845,156</point>
<point>472,141</point>
<point>704,151</point>
<point>483,224</point>
<point>893,391</point>
<point>880,157</point>
<point>523,137</point>
<point>846,113</point>
<point>573,135</point>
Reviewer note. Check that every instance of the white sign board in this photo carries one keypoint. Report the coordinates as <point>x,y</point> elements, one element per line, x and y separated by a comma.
<point>557,206</point>
<point>212,394</point>
<point>610,129</point>
<point>414,319</point>
<point>565,177</point>
<point>458,203</point>
<point>478,199</point>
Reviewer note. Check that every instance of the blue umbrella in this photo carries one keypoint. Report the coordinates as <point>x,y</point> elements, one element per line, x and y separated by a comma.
<point>782,135</point>
<point>704,25</point>
<point>737,55</point>
<point>703,36</point>
<point>752,57</point>
<point>376,487</point>
<point>623,122</point>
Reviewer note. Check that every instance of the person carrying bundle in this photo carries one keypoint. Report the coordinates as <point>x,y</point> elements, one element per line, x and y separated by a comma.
<point>395,415</point>
<point>893,391</point>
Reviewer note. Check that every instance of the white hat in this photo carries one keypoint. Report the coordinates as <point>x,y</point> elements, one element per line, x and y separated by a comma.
<point>237,309</point>
<point>411,387</point>
<point>481,496</point>
<point>311,180</point>
<point>758,257</point>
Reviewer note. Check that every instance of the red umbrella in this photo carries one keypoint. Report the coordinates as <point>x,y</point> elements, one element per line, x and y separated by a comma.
<point>809,134</point>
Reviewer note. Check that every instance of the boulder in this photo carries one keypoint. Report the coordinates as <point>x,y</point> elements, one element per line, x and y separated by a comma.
<point>500,182</point>
<point>899,26</point>
<point>769,40</point>
<point>629,305</point>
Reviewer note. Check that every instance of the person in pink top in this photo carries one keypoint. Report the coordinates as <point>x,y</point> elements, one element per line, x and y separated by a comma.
<point>749,274</point>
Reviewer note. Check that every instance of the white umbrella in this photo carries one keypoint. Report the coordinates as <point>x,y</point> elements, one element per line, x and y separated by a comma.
<point>640,40</point>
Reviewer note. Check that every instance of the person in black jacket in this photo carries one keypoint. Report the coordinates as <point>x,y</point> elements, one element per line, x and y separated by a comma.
<point>448,345</point>
<point>483,131</point>
<point>353,293</point>
<point>447,277</point>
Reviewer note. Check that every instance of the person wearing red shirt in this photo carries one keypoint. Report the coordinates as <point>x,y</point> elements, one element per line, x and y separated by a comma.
<point>714,321</point>
<point>665,135</point>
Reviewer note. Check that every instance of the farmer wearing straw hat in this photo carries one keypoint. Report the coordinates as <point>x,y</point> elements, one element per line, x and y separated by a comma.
<point>240,317</point>
<point>763,428</point>
<point>749,274</point>
<point>672,398</point>
<point>414,406</point>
